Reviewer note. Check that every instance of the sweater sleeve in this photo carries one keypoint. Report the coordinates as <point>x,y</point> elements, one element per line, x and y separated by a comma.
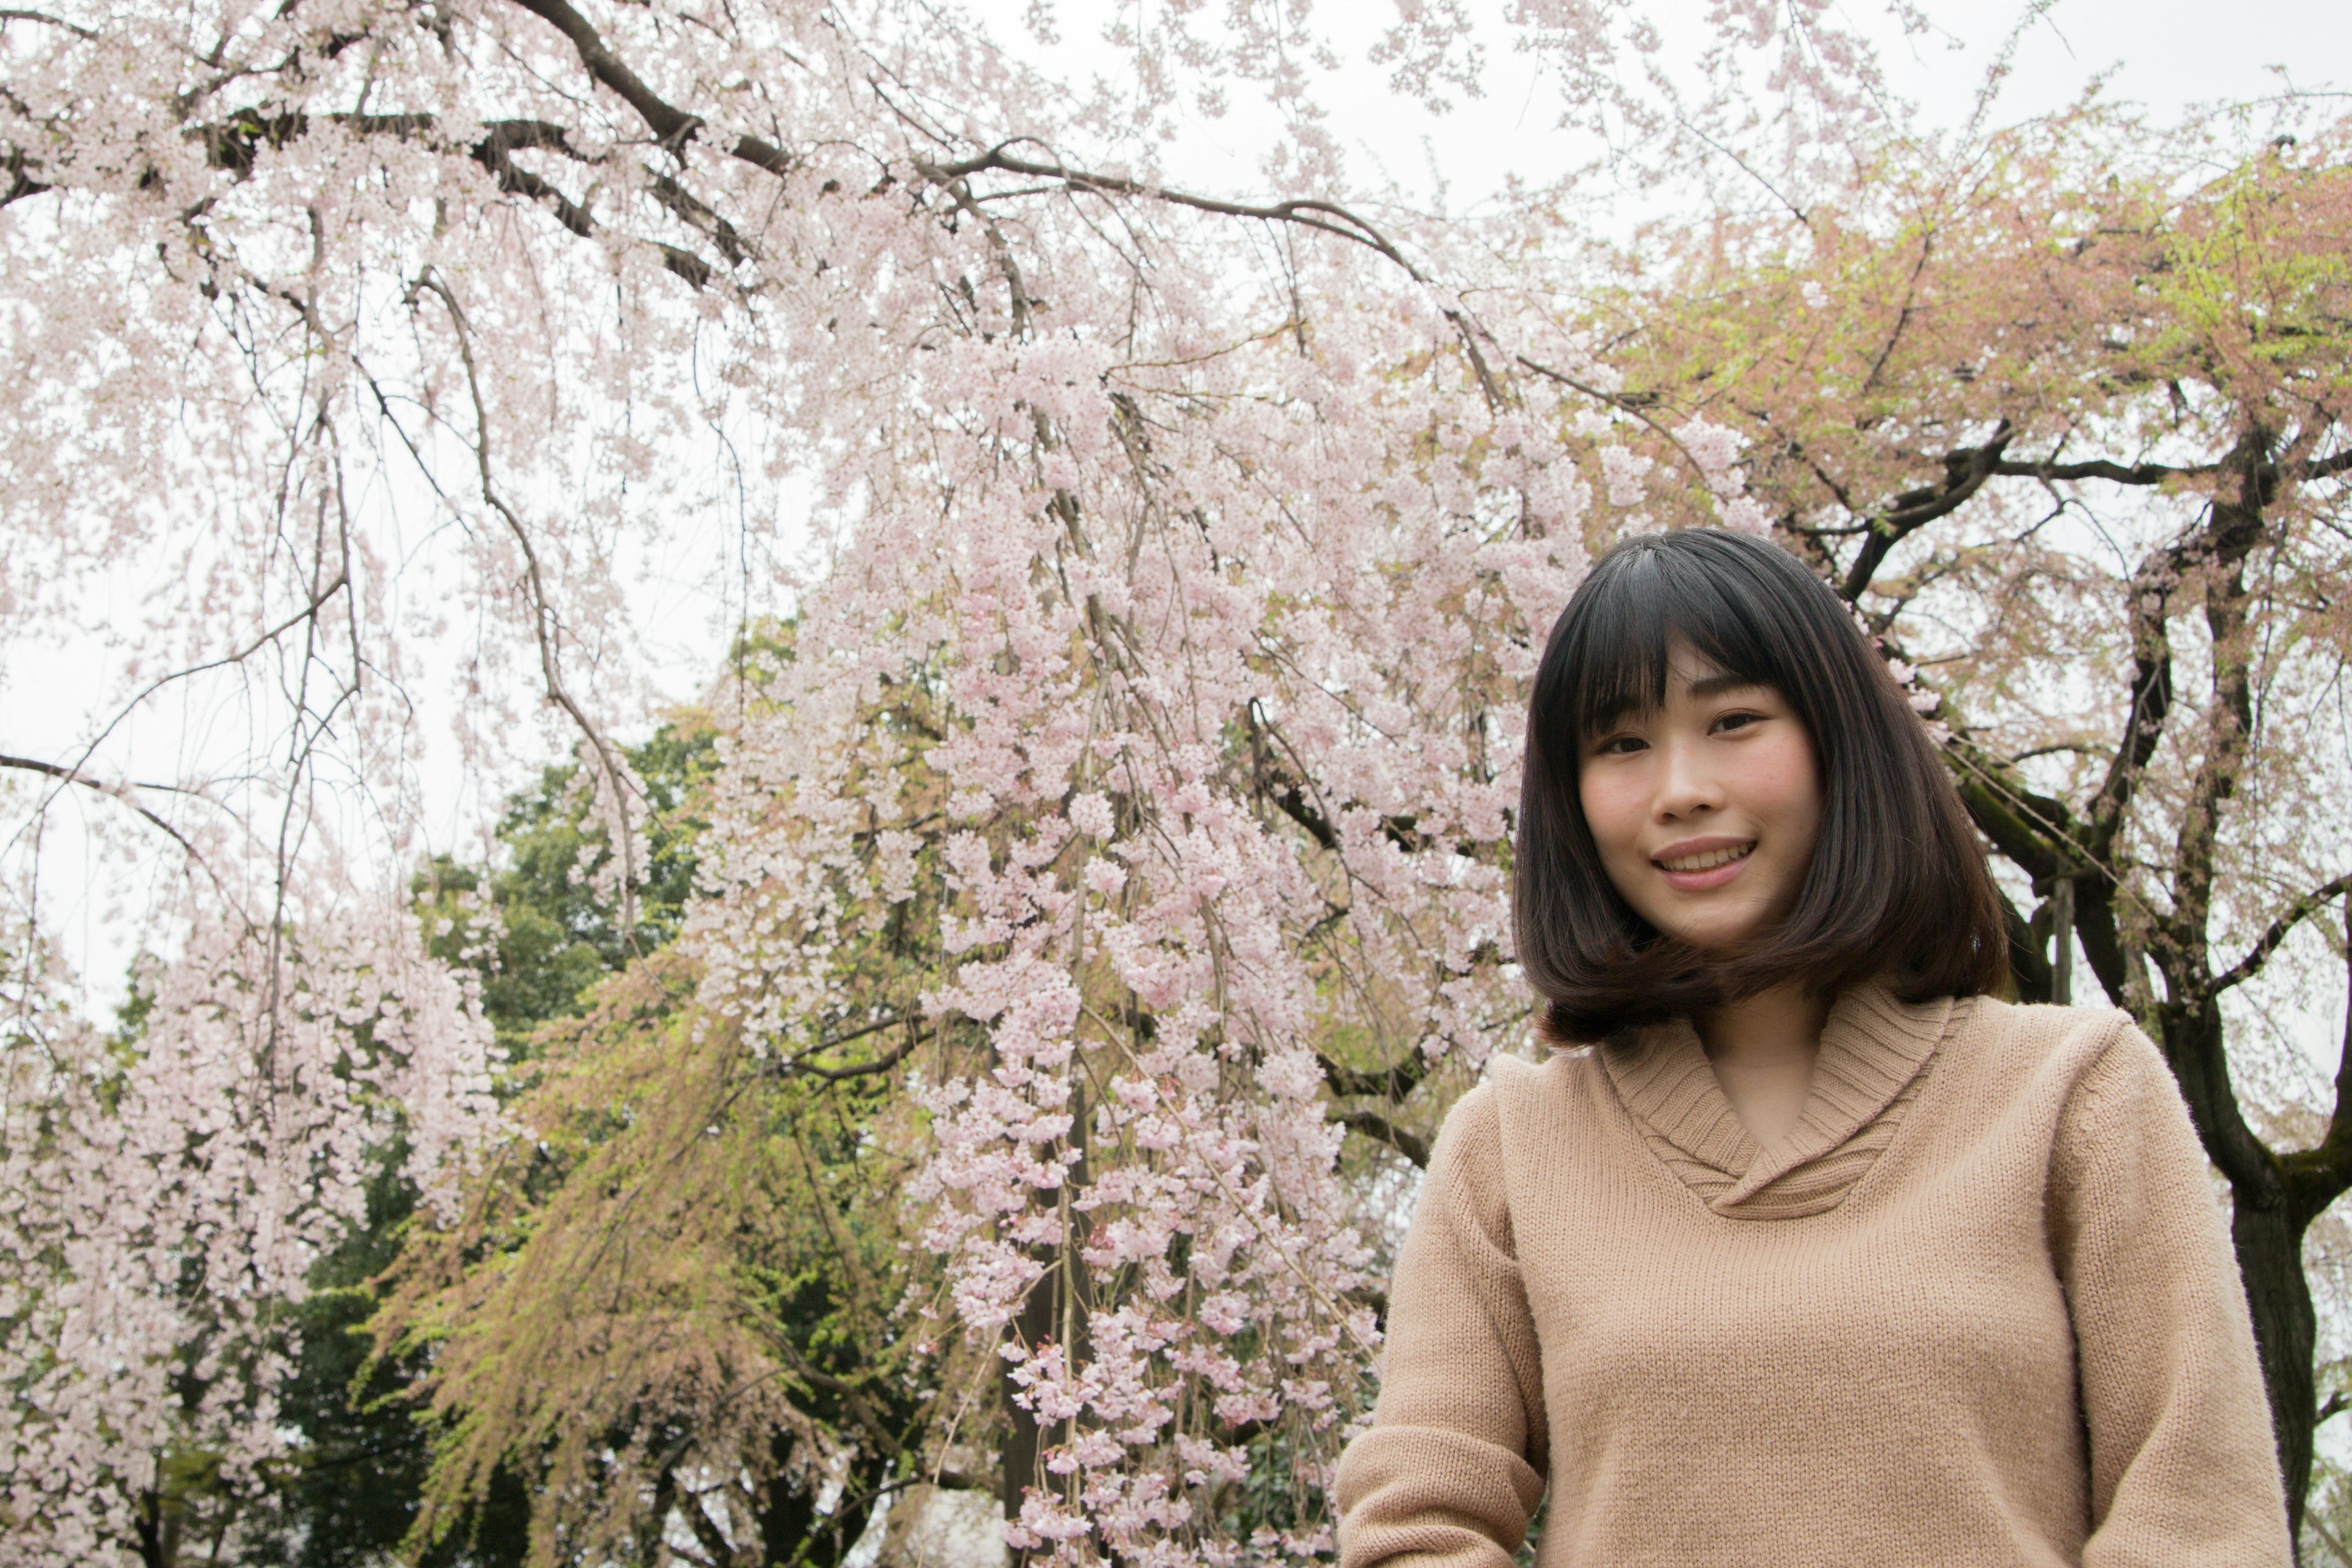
<point>2183,1469</point>
<point>1451,1467</point>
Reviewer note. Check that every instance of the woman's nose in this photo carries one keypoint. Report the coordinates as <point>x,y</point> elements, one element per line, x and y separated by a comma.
<point>1686,785</point>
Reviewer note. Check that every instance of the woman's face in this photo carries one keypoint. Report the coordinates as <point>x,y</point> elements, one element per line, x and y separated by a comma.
<point>1704,811</point>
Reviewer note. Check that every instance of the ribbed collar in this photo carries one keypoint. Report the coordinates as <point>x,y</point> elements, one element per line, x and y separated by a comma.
<point>1874,1048</point>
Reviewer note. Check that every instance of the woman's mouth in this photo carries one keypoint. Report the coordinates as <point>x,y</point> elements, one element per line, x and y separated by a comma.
<point>1709,860</point>
<point>1712,865</point>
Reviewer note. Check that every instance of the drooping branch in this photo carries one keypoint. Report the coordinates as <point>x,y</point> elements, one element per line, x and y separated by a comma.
<point>1632,404</point>
<point>544,618</point>
<point>1326,216</point>
<point>113,791</point>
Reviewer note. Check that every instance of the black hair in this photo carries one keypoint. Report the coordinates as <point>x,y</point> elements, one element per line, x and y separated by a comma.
<point>1897,886</point>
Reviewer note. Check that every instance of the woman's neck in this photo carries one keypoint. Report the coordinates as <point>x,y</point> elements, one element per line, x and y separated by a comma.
<point>1762,1048</point>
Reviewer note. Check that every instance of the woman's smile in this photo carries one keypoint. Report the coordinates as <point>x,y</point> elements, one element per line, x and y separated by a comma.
<point>1696,865</point>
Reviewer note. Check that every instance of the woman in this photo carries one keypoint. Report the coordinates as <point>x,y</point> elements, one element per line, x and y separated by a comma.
<point>1822,1254</point>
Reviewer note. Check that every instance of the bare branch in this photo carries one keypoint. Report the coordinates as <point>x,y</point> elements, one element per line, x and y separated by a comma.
<point>2098,469</point>
<point>543,617</point>
<point>118,792</point>
<point>2246,968</point>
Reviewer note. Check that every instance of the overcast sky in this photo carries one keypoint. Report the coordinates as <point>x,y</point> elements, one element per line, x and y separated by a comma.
<point>2169,55</point>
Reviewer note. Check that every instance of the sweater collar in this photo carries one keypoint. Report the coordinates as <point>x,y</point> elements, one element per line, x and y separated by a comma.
<point>1874,1050</point>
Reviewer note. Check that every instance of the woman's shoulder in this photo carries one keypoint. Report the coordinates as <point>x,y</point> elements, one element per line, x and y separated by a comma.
<point>2067,1054</point>
<point>1559,1077</point>
<point>1502,1132</point>
<point>2041,1031</point>
<point>1520,1100</point>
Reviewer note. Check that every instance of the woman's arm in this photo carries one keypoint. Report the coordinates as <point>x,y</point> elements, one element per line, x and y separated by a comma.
<point>2183,1467</point>
<point>1452,1464</point>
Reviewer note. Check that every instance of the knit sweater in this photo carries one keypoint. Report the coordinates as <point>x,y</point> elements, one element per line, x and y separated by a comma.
<point>1977,1308</point>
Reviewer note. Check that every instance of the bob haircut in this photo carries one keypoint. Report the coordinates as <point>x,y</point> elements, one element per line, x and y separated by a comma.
<point>1897,886</point>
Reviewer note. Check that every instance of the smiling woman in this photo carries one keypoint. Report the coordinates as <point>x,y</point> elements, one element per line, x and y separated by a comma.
<point>1825,1255</point>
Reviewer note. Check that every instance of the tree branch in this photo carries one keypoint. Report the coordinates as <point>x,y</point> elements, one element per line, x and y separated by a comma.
<point>1327,217</point>
<point>801,1064</point>
<point>87,35</point>
<point>2296,913</point>
<point>2150,697</point>
<point>1391,1083</point>
<point>674,126</point>
<point>2317,1176</point>
<point>2097,468</point>
<point>543,609</point>
<point>1965,472</point>
<point>1635,404</point>
<point>1381,1129</point>
<point>114,791</point>
<point>2327,467</point>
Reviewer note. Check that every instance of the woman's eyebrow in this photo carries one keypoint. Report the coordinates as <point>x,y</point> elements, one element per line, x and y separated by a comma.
<point>1715,685</point>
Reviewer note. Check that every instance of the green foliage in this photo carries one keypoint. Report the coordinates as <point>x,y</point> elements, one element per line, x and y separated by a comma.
<point>678,1294</point>
<point>542,927</point>
<point>350,1491</point>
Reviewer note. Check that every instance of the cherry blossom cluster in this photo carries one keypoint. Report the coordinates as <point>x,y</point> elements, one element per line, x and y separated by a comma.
<point>1187,689</point>
<point>167,1194</point>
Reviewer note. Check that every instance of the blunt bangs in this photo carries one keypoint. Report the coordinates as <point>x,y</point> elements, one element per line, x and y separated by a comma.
<point>1897,885</point>
<point>1642,602</point>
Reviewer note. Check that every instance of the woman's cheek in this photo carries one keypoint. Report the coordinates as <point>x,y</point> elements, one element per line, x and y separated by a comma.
<point>1795,790</point>
<point>1611,811</point>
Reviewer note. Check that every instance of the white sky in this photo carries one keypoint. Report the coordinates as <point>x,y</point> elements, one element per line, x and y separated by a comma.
<point>2168,55</point>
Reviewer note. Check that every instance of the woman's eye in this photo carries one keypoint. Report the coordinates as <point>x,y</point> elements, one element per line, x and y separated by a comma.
<point>1737,721</point>
<point>1621,745</point>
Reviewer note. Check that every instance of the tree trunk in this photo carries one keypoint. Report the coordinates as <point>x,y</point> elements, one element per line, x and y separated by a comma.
<point>2269,1260</point>
<point>1023,1439</point>
<point>159,1529</point>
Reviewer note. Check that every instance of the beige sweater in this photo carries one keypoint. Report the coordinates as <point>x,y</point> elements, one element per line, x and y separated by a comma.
<point>1980,1308</point>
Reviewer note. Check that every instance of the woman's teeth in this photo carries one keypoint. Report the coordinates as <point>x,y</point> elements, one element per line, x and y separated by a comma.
<point>1709,860</point>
